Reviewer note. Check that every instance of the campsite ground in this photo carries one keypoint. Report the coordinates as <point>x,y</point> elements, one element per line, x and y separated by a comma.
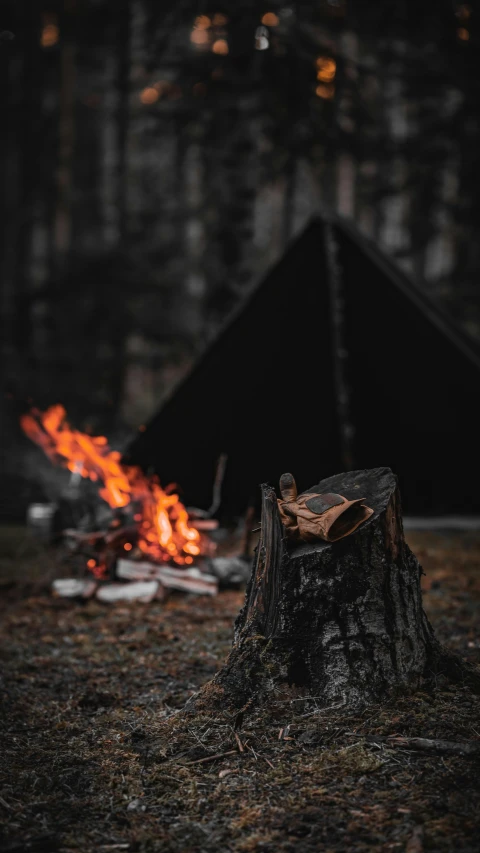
<point>93,756</point>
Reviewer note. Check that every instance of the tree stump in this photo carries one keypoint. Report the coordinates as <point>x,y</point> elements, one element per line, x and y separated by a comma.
<point>342,622</point>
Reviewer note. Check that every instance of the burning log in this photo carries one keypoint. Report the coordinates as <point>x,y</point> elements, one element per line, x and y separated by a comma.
<point>74,588</point>
<point>339,621</point>
<point>148,519</point>
<point>143,591</point>
<point>223,572</point>
<point>187,580</point>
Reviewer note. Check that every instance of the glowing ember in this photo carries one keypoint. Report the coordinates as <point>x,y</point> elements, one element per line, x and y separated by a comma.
<point>164,531</point>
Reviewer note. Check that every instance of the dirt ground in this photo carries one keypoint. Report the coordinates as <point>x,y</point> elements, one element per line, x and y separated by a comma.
<point>94,755</point>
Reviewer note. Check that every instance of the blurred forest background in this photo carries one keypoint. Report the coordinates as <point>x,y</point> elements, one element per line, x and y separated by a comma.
<point>158,157</point>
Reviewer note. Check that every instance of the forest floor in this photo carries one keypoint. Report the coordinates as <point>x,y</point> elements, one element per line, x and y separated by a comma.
<point>95,757</point>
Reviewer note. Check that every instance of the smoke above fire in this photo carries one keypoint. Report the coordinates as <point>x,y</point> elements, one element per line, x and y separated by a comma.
<point>165,532</point>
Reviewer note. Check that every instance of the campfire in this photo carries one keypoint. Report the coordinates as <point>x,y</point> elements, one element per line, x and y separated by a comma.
<point>149,535</point>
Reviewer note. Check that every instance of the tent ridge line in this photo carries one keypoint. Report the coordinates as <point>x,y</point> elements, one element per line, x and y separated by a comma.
<point>407,287</point>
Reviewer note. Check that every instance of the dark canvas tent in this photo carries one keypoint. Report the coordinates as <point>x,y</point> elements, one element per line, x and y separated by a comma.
<point>268,392</point>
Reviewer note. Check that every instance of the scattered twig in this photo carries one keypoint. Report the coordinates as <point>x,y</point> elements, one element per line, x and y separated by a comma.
<point>284,732</point>
<point>211,757</point>
<point>5,805</point>
<point>258,755</point>
<point>240,744</point>
<point>330,736</point>
<point>324,710</point>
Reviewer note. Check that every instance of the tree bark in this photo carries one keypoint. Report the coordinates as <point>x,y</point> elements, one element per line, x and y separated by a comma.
<point>341,622</point>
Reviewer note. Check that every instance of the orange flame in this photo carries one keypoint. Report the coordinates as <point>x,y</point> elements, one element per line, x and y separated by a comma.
<point>163,523</point>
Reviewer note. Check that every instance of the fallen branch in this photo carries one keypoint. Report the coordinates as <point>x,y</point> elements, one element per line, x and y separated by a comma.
<point>422,743</point>
<point>440,746</point>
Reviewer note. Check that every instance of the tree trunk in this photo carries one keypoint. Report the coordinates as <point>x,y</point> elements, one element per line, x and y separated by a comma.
<point>342,622</point>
